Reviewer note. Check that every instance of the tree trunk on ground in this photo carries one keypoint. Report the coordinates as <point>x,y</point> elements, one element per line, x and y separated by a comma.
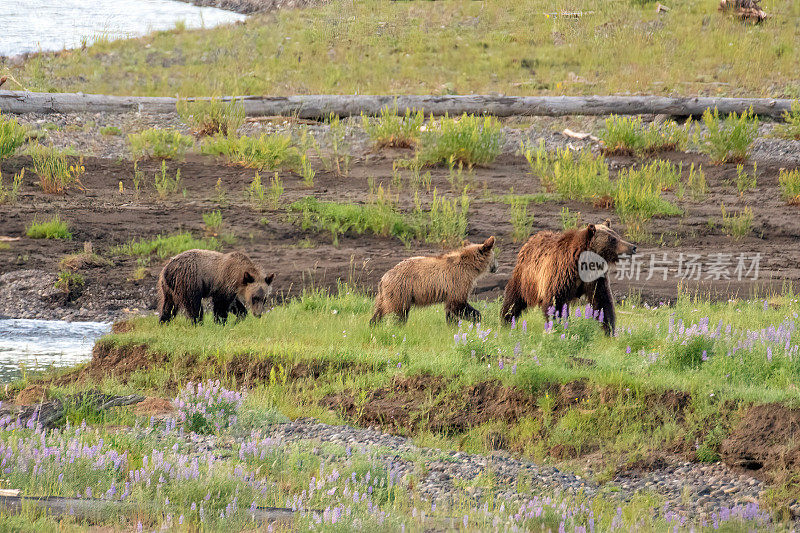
<point>321,106</point>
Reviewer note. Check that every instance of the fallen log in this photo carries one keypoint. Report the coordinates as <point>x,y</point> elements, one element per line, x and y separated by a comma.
<point>321,106</point>
<point>48,414</point>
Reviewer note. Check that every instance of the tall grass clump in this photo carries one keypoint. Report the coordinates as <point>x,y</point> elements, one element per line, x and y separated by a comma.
<point>166,184</point>
<point>624,135</point>
<point>12,136</point>
<point>739,224</point>
<point>391,129</point>
<point>57,169</point>
<point>271,152</point>
<point>447,219</point>
<point>729,139</point>
<point>790,129</point>
<point>470,140</point>
<point>789,181</point>
<point>580,176</point>
<point>336,158</point>
<point>637,193</point>
<point>51,228</point>
<point>158,143</point>
<point>164,246</point>
<point>521,220</point>
<point>213,116</point>
<point>378,218</point>
<point>10,193</point>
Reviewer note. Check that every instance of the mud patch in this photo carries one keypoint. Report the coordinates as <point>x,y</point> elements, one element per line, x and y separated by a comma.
<point>425,401</point>
<point>766,440</point>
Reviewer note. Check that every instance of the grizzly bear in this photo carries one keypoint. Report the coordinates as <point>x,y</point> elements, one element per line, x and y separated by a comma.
<point>547,272</point>
<point>447,278</point>
<point>232,281</point>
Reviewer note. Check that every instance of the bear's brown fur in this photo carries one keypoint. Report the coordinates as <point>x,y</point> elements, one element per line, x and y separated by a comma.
<point>447,278</point>
<point>232,281</point>
<point>546,273</point>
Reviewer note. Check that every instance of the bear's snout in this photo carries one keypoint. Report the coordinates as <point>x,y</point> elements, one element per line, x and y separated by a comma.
<point>625,248</point>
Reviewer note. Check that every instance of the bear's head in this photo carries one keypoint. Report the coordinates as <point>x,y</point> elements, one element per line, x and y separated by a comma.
<point>607,243</point>
<point>485,254</point>
<point>255,290</point>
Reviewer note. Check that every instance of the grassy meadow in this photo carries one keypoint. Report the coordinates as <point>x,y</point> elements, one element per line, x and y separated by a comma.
<point>455,47</point>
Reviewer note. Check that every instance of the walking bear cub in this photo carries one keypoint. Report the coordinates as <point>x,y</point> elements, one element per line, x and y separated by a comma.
<point>447,278</point>
<point>547,272</point>
<point>231,281</point>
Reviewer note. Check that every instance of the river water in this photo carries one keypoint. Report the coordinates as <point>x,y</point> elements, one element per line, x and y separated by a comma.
<point>33,25</point>
<point>35,345</point>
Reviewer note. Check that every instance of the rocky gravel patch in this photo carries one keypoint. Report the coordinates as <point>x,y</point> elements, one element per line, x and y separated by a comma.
<point>693,491</point>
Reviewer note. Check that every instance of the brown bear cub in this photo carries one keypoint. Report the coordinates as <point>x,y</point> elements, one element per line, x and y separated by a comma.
<point>232,281</point>
<point>551,272</point>
<point>447,278</point>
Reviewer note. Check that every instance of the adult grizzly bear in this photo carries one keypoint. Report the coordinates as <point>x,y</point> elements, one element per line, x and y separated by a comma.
<point>547,271</point>
<point>447,278</point>
<point>232,281</point>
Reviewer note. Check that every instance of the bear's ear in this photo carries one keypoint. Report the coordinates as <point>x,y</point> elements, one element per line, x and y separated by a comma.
<point>607,223</point>
<point>269,278</point>
<point>590,230</point>
<point>247,278</point>
<point>487,244</point>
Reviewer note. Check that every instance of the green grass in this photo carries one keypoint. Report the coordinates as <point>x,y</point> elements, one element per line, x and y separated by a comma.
<point>58,170</point>
<point>338,218</point>
<point>12,136</point>
<point>469,140</point>
<point>790,129</point>
<point>738,224</point>
<point>51,228</point>
<point>728,139</point>
<point>377,47</point>
<point>10,193</point>
<point>521,220</point>
<point>110,131</point>
<point>637,194</point>
<point>212,117</point>
<point>213,221</point>
<point>789,182</point>
<point>69,282</point>
<point>391,129</point>
<point>572,176</point>
<point>164,246</point>
<point>271,152</point>
<point>159,143</point>
<point>164,183</point>
<point>629,135</point>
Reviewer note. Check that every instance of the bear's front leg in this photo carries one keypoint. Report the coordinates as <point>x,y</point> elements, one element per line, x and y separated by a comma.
<point>220,306</point>
<point>238,308</point>
<point>601,298</point>
<point>458,310</point>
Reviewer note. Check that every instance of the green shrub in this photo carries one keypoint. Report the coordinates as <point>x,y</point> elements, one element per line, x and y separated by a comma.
<point>447,220</point>
<point>470,140</point>
<point>789,181</point>
<point>9,195</point>
<point>391,129</point>
<point>378,218</point>
<point>580,176</point>
<point>52,228</point>
<point>270,152</point>
<point>110,130</point>
<point>569,220</point>
<point>166,184</point>
<point>637,194</point>
<point>521,221</point>
<point>696,182</point>
<point>790,129</point>
<point>69,282</point>
<point>212,116</point>
<point>729,139</point>
<point>744,180</point>
<point>739,224</point>
<point>630,135</point>
<point>12,136</point>
<point>336,158</point>
<point>161,144</point>
<point>56,168</point>
<point>164,246</point>
<point>213,221</point>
